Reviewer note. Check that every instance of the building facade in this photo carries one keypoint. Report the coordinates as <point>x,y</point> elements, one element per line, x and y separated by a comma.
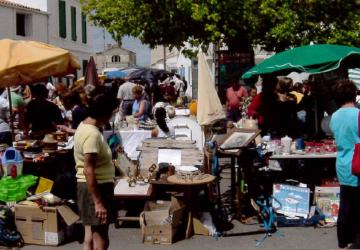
<point>65,26</point>
<point>19,22</point>
<point>114,57</point>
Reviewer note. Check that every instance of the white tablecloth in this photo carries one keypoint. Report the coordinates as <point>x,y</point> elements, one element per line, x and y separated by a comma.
<point>304,156</point>
<point>131,139</point>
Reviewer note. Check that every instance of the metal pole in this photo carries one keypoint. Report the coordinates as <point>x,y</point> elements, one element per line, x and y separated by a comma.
<point>316,116</point>
<point>164,57</point>
<point>11,114</point>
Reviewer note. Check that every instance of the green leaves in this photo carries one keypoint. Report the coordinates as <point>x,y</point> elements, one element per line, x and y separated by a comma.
<point>240,24</point>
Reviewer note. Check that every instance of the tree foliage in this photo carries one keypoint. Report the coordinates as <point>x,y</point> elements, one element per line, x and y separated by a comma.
<point>240,24</point>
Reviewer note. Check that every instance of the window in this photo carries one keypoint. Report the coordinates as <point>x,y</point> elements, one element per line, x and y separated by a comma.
<point>115,58</point>
<point>84,65</point>
<point>83,28</point>
<point>62,19</point>
<point>73,23</point>
<point>20,24</point>
<point>23,24</point>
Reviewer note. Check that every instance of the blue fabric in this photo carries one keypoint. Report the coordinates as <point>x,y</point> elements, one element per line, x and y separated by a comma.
<point>147,109</point>
<point>344,125</point>
<point>215,167</point>
<point>136,108</point>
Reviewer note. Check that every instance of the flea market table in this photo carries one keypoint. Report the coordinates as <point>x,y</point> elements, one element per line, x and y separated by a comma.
<point>139,192</point>
<point>309,168</point>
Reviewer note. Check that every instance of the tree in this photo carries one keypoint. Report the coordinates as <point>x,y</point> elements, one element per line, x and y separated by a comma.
<point>240,24</point>
<point>281,24</point>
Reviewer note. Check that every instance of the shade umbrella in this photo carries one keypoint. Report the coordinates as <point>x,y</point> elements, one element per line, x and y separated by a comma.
<point>313,59</point>
<point>81,80</point>
<point>91,76</point>
<point>354,75</point>
<point>115,74</point>
<point>150,75</point>
<point>129,70</point>
<point>23,62</point>
<point>209,108</point>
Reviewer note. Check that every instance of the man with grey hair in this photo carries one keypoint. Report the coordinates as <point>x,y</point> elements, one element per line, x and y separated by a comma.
<point>125,96</point>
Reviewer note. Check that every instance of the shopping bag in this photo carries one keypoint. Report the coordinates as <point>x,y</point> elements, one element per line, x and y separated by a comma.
<point>355,165</point>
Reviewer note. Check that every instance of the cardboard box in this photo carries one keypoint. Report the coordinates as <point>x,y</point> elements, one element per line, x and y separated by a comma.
<point>199,228</point>
<point>155,222</point>
<point>43,226</point>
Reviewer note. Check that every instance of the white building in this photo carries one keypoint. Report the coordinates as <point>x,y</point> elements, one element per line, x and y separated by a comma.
<point>65,25</point>
<point>19,22</point>
<point>114,57</point>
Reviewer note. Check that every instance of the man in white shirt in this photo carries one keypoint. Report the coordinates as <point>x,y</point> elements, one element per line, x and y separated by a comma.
<point>126,98</point>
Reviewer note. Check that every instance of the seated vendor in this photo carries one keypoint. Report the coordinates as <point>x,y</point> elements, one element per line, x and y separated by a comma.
<point>41,115</point>
<point>162,129</point>
<point>141,108</point>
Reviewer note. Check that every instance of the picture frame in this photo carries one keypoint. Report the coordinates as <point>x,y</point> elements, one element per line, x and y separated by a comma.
<point>239,138</point>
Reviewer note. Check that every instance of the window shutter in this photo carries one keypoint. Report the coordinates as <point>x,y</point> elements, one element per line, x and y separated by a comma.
<point>62,19</point>
<point>73,23</point>
<point>83,28</point>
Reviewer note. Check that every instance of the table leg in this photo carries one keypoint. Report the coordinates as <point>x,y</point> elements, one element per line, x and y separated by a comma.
<point>233,178</point>
<point>190,226</point>
<point>190,195</point>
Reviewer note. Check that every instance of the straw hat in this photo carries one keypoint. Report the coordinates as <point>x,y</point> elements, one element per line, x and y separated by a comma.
<point>49,138</point>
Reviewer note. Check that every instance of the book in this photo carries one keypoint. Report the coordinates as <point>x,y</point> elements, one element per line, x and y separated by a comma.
<point>292,200</point>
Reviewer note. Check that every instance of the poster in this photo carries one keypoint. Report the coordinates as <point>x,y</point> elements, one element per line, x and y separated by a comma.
<point>295,201</point>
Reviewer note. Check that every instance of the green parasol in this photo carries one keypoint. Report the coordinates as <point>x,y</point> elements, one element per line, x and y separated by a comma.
<point>312,59</point>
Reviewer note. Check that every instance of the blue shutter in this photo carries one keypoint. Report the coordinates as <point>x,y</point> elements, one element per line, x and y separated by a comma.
<point>62,19</point>
<point>73,23</point>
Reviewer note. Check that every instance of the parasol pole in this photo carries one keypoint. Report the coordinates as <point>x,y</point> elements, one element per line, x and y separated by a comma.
<point>11,115</point>
<point>164,47</point>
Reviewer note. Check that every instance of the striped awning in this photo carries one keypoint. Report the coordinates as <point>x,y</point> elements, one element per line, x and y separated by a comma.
<point>354,75</point>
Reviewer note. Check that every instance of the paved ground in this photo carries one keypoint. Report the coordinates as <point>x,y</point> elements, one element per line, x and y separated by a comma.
<point>293,238</point>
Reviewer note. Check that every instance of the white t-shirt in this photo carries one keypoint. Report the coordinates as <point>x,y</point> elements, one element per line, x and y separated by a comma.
<point>125,91</point>
<point>50,88</point>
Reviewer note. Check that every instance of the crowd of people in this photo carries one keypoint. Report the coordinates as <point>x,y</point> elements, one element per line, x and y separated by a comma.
<point>281,108</point>
<point>43,108</point>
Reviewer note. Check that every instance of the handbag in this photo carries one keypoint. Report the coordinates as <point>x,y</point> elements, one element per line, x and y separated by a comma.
<point>355,165</point>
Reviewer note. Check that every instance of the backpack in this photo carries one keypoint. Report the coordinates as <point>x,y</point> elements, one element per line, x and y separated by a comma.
<point>9,236</point>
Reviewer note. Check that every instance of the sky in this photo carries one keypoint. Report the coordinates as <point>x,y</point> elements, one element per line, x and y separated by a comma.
<point>142,51</point>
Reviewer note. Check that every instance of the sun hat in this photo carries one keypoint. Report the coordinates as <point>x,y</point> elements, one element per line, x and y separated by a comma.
<point>49,138</point>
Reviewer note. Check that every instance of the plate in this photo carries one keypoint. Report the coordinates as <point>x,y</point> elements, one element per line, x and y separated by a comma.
<point>188,169</point>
